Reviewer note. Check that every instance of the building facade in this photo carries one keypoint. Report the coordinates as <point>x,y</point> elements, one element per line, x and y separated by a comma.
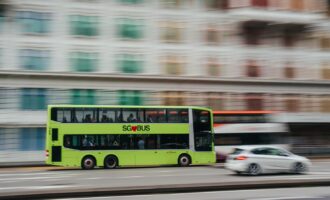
<point>223,54</point>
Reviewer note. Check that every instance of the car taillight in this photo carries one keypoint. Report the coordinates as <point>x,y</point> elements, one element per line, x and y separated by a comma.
<point>241,158</point>
<point>47,153</point>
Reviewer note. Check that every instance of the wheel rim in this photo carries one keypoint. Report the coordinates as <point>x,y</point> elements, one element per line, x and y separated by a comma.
<point>111,162</point>
<point>299,168</point>
<point>88,163</point>
<point>254,169</point>
<point>184,160</point>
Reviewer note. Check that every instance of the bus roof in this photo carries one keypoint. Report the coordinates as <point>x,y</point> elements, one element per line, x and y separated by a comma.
<point>123,106</point>
<point>243,112</point>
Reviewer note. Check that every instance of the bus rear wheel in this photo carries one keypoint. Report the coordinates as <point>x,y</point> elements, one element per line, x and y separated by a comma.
<point>88,162</point>
<point>110,162</point>
<point>184,160</point>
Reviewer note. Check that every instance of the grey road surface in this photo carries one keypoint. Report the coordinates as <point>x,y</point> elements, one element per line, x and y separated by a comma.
<point>14,180</point>
<point>312,193</point>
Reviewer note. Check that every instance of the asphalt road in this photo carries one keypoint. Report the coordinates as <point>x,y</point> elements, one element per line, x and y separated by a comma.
<point>311,193</point>
<point>39,179</point>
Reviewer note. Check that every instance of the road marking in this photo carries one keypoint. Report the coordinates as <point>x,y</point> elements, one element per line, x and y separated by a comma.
<point>319,173</point>
<point>28,174</point>
<point>36,187</point>
<point>287,198</point>
<point>32,178</point>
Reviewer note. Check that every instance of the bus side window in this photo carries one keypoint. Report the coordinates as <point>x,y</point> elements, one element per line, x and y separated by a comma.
<point>161,115</point>
<point>130,115</point>
<point>184,116</point>
<point>67,141</point>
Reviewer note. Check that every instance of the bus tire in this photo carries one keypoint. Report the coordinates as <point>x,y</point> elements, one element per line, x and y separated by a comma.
<point>88,162</point>
<point>110,162</point>
<point>184,160</point>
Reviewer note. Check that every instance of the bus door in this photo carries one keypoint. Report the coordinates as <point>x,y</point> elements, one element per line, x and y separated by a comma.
<point>56,148</point>
<point>202,128</point>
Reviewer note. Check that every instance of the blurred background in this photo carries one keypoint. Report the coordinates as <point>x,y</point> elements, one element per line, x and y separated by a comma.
<point>224,54</point>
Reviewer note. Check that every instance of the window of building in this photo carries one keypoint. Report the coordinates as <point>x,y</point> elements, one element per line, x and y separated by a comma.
<point>33,99</point>
<point>173,64</point>
<point>83,97</point>
<point>35,59</point>
<point>252,69</point>
<point>84,61</point>
<point>34,22</point>
<point>4,96</point>
<point>32,139</point>
<point>128,28</point>
<point>172,32</point>
<point>325,104</point>
<point>128,97</point>
<point>215,102</point>
<point>326,71</point>
<point>213,66</point>
<point>297,5</point>
<point>254,102</point>
<point>253,31</point>
<point>130,63</point>
<point>212,34</point>
<point>259,3</point>
<point>325,41</point>
<point>293,33</point>
<point>174,3</point>
<point>292,103</point>
<point>82,25</point>
<point>2,19</point>
<point>173,98</point>
<point>128,2</point>
<point>216,4</point>
<point>289,70</point>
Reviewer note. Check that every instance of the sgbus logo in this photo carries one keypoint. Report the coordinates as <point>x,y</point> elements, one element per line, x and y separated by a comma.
<point>136,128</point>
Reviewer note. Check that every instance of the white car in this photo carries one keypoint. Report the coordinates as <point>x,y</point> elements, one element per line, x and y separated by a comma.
<point>258,160</point>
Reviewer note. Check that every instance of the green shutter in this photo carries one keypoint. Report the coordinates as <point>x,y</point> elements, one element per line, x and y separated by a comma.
<point>83,96</point>
<point>33,99</point>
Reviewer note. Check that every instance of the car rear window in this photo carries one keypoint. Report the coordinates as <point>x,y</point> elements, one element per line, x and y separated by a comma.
<point>237,151</point>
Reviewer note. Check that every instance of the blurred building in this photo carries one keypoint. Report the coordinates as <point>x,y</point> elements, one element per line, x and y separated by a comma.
<point>224,54</point>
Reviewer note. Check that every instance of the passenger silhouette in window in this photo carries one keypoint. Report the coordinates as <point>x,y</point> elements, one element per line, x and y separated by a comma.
<point>149,119</point>
<point>88,118</point>
<point>131,118</point>
<point>104,119</point>
<point>141,143</point>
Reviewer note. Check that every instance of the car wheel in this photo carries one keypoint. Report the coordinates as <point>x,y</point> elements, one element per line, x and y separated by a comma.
<point>299,168</point>
<point>110,162</point>
<point>184,160</point>
<point>254,169</point>
<point>88,162</point>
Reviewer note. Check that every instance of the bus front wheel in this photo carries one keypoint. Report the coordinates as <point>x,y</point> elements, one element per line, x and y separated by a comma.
<point>88,162</point>
<point>184,160</point>
<point>110,162</point>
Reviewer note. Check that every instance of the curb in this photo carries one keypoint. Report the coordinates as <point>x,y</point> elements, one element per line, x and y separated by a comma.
<point>161,189</point>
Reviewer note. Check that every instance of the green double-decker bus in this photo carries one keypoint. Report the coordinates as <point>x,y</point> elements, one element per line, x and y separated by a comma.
<point>112,136</point>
